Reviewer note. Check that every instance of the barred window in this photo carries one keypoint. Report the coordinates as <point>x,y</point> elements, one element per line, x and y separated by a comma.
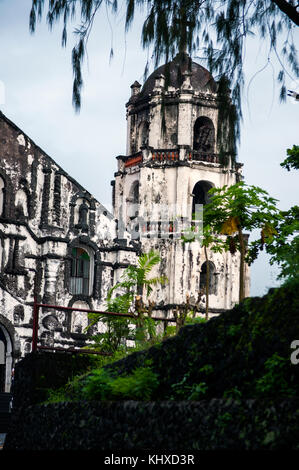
<point>80,272</point>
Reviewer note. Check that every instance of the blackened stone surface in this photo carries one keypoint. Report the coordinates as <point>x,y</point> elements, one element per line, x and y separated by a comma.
<point>38,372</point>
<point>173,426</point>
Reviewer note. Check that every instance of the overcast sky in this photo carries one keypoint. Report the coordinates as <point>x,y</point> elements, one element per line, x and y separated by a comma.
<point>36,94</point>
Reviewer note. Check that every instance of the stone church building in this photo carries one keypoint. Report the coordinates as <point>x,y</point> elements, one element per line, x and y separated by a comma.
<point>58,244</point>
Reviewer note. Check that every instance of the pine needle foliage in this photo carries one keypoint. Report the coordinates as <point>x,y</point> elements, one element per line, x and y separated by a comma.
<point>213,31</point>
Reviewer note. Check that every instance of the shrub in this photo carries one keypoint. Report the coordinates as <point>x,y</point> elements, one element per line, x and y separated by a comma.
<point>139,385</point>
<point>274,381</point>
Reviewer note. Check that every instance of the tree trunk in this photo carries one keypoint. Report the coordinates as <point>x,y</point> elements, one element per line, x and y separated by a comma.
<point>242,264</point>
<point>207,283</point>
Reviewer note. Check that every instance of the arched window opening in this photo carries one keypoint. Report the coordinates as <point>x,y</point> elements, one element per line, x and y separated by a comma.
<point>204,135</point>
<point>135,193</point>
<point>80,272</point>
<point>2,186</point>
<point>212,278</point>
<point>200,194</point>
<point>134,201</point>
<point>6,360</point>
<point>143,134</point>
<point>81,214</point>
<point>21,204</point>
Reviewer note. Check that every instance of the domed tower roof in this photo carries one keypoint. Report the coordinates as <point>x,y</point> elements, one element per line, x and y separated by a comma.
<point>201,79</point>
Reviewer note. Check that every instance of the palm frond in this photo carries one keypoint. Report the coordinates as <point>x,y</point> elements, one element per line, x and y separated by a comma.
<point>148,260</point>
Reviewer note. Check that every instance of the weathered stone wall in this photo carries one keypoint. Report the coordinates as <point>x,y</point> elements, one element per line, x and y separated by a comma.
<point>44,214</point>
<point>171,426</point>
<point>236,346</point>
<point>38,372</point>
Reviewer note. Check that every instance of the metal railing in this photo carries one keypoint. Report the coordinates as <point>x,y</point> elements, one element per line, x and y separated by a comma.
<point>165,155</point>
<point>37,306</point>
<point>203,157</point>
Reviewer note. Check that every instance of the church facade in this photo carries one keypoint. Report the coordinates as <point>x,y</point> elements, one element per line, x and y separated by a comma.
<point>58,244</point>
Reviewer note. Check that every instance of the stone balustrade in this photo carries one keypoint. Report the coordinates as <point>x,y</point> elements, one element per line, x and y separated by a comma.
<point>168,156</point>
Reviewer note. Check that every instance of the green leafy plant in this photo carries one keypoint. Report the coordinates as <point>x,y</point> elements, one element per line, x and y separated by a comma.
<point>284,249</point>
<point>233,330</point>
<point>232,210</point>
<point>183,390</point>
<point>198,391</point>
<point>139,385</point>
<point>292,160</point>
<point>274,382</point>
<point>224,420</point>
<point>206,369</point>
<point>233,393</point>
<point>192,320</point>
<point>209,241</point>
<point>129,297</point>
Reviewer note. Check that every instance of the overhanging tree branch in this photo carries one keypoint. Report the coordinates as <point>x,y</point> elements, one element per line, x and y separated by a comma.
<point>289,9</point>
<point>172,25</point>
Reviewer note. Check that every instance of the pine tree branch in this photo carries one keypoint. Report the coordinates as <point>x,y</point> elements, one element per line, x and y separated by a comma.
<point>289,9</point>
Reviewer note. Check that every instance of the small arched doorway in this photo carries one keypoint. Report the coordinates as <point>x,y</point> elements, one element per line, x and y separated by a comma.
<point>5,359</point>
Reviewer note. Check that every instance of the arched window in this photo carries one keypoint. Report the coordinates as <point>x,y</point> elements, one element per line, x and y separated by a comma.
<point>143,134</point>
<point>212,278</point>
<point>204,135</point>
<point>133,200</point>
<point>21,204</point>
<point>81,213</point>
<point>80,272</point>
<point>2,186</point>
<point>6,359</point>
<point>200,194</point>
<point>135,193</point>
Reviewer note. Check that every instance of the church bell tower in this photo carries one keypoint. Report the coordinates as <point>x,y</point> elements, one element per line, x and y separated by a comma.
<point>171,162</point>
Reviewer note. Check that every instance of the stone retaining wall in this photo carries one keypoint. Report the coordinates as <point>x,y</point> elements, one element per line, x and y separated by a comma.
<point>174,426</point>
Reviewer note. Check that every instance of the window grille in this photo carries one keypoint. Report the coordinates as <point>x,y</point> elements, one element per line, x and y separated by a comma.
<point>80,272</point>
